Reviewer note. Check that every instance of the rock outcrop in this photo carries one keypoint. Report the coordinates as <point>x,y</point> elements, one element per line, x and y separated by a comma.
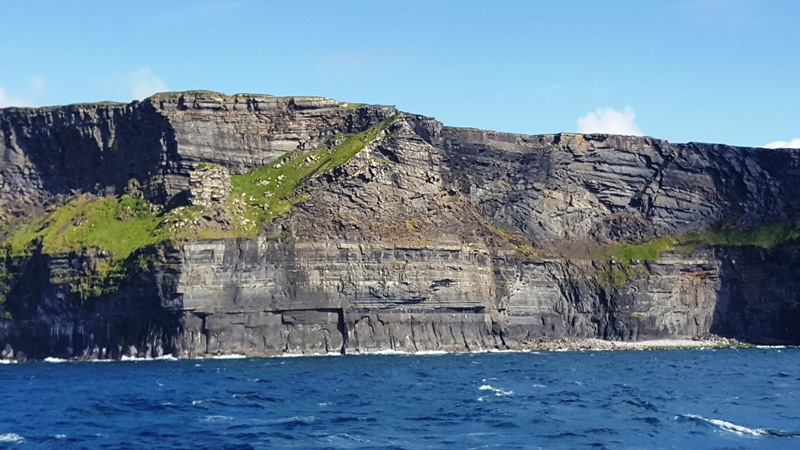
<point>429,238</point>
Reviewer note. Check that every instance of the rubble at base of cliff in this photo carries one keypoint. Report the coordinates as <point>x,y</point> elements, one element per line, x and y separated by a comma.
<point>704,341</point>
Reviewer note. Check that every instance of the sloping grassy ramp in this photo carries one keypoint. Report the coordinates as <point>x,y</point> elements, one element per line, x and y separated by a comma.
<point>268,191</point>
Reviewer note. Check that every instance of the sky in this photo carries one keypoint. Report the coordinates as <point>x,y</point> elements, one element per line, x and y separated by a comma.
<point>722,71</point>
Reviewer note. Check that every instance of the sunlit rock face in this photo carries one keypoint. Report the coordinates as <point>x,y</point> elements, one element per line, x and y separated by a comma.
<point>429,238</point>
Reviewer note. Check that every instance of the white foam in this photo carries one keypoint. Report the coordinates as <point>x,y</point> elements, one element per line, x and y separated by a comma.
<point>54,360</point>
<point>387,351</point>
<point>731,427</point>
<point>497,350</point>
<point>13,438</point>
<point>7,361</point>
<point>157,358</point>
<point>231,356</point>
<point>497,391</point>
<point>217,418</point>
<point>301,355</point>
<point>59,436</point>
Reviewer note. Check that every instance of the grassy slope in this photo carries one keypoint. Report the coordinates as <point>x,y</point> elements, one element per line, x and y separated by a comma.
<point>124,224</point>
<point>766,237</point>
<point>119,225</point>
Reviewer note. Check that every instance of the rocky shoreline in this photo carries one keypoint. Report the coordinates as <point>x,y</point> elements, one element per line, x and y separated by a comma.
<point>654,344</point>
<point>556,345</point>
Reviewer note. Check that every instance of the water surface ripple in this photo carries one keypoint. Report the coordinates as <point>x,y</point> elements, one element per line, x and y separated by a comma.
<point>715,398</point>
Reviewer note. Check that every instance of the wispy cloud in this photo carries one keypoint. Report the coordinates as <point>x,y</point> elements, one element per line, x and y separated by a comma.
<point>792,143</point>
<point>609,121</point>
<point>35,90</point>
<point>37,85</point>
<point>144,83</point>
<point>8,100</point>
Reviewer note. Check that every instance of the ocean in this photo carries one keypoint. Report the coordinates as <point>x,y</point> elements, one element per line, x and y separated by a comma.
<point>687,398</point>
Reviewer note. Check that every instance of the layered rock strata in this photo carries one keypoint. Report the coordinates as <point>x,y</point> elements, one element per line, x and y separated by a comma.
<point>430,238</point>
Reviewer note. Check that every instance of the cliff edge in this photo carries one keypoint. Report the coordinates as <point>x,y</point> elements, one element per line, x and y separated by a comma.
<point>199,223</point>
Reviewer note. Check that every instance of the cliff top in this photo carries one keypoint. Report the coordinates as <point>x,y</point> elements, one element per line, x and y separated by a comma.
<point>199,99</point>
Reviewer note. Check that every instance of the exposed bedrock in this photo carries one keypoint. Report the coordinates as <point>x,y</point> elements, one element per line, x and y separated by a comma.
<point>430,238</point>
<point>53,152</point>
<point>553,187</point>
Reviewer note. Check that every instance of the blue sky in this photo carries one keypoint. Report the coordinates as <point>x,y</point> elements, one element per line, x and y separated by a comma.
<point>724,71</point>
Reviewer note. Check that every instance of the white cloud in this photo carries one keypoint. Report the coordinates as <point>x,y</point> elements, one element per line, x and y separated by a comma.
<point>144,83</point>
<point>8,100</point>
<point>609,121</point>
<point>37,85</point>
<point>794,143</point>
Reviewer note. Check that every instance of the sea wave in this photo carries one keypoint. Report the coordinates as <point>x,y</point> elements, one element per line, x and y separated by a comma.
<point>497,391</point>
<point>157,358</point>
<point>231,356</point>
<point>734,428</point>
<point>50,359</point>
<point>11,438</point>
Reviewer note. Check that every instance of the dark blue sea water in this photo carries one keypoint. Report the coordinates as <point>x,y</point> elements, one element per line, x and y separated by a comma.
<point>723,398</point>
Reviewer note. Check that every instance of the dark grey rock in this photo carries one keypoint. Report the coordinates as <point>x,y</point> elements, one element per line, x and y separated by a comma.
<point>431,238</point>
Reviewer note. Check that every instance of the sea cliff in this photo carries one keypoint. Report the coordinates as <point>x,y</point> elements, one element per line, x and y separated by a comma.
<point>199,223</point>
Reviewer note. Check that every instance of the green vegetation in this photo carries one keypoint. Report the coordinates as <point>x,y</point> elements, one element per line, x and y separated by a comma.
<point>622,256</point>
<point>613,275</point>
<point>349,106</point>
<point>270,191</point>
<point>121,225</point>
<point>99,279</point>
<point>515,239</point>
<point>6,276</point>
<point>115,228</point>
<point>118,225</point>
<point>644,252</point>
<point>766,237</point>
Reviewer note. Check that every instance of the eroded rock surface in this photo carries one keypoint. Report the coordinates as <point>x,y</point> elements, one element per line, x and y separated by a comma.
<point>430,238</point>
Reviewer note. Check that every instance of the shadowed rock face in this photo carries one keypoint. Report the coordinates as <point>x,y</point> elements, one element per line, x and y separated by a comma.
<point>431,238</point>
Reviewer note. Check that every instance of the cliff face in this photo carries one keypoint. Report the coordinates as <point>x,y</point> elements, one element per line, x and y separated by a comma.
<point>429,238</point>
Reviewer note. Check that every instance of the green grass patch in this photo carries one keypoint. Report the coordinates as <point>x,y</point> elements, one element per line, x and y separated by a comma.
<point>119,225</point>
<point>350,106</point>
<point>270,191</point>
<point>644,252</point>
<point>767,237</point>
<point>622,256</point>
